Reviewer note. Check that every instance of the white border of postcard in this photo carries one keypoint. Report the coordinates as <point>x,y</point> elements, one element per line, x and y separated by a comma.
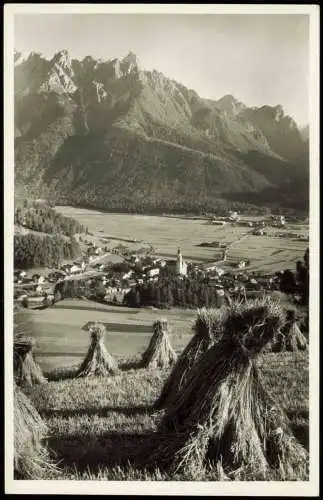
<point>294,489</point>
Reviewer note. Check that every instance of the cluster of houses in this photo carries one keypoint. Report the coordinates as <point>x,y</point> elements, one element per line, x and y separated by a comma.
<point>138,268</point>
<point>234,218</point>
<point>35,288</point>
<point>292,235</point>
<point>245,283</point>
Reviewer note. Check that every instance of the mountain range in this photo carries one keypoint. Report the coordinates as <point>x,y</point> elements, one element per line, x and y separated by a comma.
<point>111,135</point>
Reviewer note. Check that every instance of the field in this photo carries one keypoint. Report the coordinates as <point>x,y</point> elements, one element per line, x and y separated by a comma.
<point>166,234</point>
<point>62,342</point>
<point>97,424</point>
<point>268,253</point>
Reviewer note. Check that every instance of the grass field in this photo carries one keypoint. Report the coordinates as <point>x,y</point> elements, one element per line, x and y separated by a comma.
<point>61,340</point>
<point>268,253</point>
<point>166,234</point>
<point>97,424</point>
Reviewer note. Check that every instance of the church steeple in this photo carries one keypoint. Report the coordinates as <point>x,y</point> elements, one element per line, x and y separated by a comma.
<point>180,264</point>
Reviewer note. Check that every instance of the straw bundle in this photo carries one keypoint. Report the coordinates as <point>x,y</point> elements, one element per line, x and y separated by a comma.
<point>291,338</point>
<point>30,456</point>
<point>98,361</point>
<point>159,353</point>
<point>26,370</point>
<point>207,330</point>
<point>223,413</point>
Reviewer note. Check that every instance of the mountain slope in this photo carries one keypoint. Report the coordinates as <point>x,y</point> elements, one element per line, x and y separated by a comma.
<point>109,134</point>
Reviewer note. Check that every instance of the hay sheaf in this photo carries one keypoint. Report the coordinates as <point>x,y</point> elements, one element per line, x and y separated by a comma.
<point>31,458</point>
<point>27,372</point>
<point>98,360</point>
<point>208,329</point>
<point>223,413</point>
<point>290,338</point>
<point>159,353</point>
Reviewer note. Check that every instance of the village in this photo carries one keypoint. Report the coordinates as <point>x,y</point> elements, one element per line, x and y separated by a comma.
<point>118,269</point>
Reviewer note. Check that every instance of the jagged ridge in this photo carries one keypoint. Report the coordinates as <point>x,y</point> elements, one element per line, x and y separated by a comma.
<point>116,130</point>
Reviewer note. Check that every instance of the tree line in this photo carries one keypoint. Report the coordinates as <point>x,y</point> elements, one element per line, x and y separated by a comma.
<point>174,292</point>
<point>297,282</point>
<point>32,250</point>
<point>45,219</point>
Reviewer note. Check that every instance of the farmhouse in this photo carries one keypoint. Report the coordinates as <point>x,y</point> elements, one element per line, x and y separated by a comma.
<point>246,223</point>
<point>218,222</point>
<point>127,275</point>
<point>134,258</point>
<point>39,289</point>
<point>116,294</point>
<point>75,269</point>
<point>258,232</point>
<point>213,268</point>
<point>37,278</point>
<point>153,272</point>
<point>234,216</point>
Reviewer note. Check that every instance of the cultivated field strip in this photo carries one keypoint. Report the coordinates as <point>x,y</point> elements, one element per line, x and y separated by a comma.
<point>60,330</point>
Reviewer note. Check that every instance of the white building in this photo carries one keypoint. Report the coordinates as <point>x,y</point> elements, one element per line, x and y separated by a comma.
<point>234,216</point>
<point>181,266</point>
<point>127,275</point>
<point>153,272</point>
<point>219,222</point>
<point>281,220</point>
<point>75,269</point>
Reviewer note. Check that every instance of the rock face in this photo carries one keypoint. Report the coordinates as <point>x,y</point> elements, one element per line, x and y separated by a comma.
<point>112,135</point>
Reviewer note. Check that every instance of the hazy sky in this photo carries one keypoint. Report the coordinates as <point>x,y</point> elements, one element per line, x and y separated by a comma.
<point>260,59</point>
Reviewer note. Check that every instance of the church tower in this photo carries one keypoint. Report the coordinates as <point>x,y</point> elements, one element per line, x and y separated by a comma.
<point>179,261</point>
<point>181,267</point>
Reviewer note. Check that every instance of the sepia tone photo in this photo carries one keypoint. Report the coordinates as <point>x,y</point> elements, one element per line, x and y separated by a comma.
<point>162,315</point>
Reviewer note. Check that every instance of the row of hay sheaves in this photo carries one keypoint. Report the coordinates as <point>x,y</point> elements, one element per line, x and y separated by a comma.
<point>213,407</point>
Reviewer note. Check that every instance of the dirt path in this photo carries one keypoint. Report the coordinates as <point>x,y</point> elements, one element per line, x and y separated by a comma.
<point>224,257</point>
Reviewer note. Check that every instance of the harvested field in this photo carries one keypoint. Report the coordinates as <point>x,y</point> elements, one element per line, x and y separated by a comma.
<point>96,422</point>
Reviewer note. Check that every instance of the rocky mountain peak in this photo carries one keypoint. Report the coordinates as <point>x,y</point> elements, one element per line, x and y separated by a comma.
<point>130,63</point>
<point>63,60</point>
<point>230,104</point>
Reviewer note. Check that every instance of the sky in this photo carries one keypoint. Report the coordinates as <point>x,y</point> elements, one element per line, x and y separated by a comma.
<point>259,59</point>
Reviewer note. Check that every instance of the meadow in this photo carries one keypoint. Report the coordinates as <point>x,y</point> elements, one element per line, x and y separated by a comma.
<point>99,426</point>
<point>268,253</point>
<point>61,341</point>
<point>166,234</point>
